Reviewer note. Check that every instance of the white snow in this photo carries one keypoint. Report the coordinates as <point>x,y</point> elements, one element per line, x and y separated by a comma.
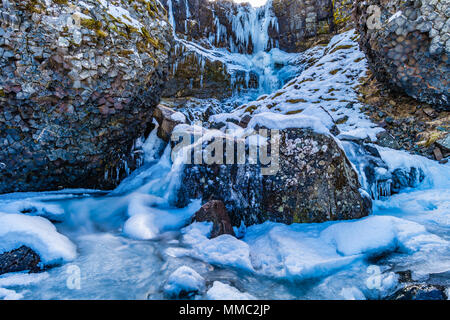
<point>272,120</point>
<point>302,251</point>
<point>222,291</point>
<point>186,280</point>
<point>36,233</point>
<point>7,294</point>
<point>224,250</point>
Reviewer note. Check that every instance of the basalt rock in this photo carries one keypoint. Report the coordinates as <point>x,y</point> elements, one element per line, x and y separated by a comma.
<point>78,84</point>
<point>407,45</point>
<point>315,182</point>
<point>20,259</point>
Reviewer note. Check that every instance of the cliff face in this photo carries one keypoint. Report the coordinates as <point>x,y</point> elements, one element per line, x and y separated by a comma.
<point>240,28</point>
<point>211,33</point>
<point>78,83</point>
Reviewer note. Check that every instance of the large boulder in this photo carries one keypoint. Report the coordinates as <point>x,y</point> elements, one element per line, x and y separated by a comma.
<point>315,182</point>
<point>78,84</point>
<point>407,44</point>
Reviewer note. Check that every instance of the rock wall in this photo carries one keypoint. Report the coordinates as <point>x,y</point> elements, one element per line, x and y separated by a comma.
<point>224,24</point>
<point>407,44</point>
<point>78,84</point>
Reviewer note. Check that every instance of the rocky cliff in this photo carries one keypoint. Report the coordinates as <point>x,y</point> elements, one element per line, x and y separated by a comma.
<point>78,83</point>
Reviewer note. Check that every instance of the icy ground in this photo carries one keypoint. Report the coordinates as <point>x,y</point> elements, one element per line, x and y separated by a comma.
<point>131,244</point>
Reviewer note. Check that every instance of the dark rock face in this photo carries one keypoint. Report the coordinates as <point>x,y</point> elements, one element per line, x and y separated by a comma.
<point>167,119</point>
<point>315,183</point>
<point>77,86</point>
<point>194,75</point>
<point>408,46</point>
<point>420,292</point>
<point>214,211</point>
<point>19,260</point>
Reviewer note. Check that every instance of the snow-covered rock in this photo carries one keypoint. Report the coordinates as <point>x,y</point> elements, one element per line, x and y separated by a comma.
<point>37,233</point>
<point>222,291</point>
<point>184,283</point>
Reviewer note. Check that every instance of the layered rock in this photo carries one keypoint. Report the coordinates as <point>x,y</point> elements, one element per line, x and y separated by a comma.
<point>301,22</point>
<point>78,84</point>
<point>315,182</point>
<point>407,44</point>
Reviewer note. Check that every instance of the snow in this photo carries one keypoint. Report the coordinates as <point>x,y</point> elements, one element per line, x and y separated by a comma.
<point>36,233</point>
<point>222,291</point>
<point>186,280</point>
<point>302,251</point>
<point>147,222</point>
<point>224,250</point>
<point>22,279</point>
<point>278,121</point>
<point>35,208</point>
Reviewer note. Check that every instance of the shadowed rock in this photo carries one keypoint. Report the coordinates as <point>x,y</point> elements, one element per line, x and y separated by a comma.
<point>214,211</point>
<point>20,259</point>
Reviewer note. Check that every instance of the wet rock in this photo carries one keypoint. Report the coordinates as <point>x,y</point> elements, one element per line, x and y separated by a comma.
<point>78,85</point>
<point>167,119</point>
<point>444,143</point>
<point>420,292</point>
<point>214,211</point>
<point>20,259</point>
<point>385,139</point>
<point>315,182</point>
<point>437,154</point>
<point>405,46</point>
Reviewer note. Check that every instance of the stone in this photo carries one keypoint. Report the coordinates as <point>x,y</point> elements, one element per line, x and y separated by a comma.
<point>214,211</point>
<point>167,119</point>
<point>20,259</point>
<point>315,182</point>
<point>444,143</point>
<point>437,154</point>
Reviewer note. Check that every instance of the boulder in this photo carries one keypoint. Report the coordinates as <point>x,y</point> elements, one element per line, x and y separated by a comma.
<point>78,85</point>
<point>167,119</point>
<point>214,211</point>
<point>407,45</point>
<point>20,259</point>
<point>315,182</point>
